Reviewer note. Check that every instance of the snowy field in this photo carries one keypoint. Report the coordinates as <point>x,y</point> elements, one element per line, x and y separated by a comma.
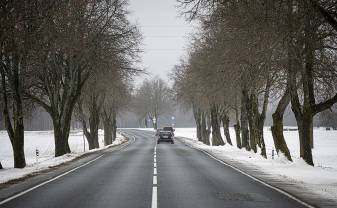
<point>321,179</point>
<point>44,142</point>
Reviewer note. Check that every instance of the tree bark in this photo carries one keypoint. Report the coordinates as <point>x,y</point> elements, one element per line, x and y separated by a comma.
<point>244,120</point>
<point>277,127</point>
<point>197,119</point>
<point>146,123</point>
<point>107,131</point>
<point>252,108</point>
<point>205,128</point>
<point>216,134</point>
<point>114,126</point>
<point>237,129</point>
<point>304,112</point>
<point>225,123</point>
<point>94,119</point>
<point>94,125</point>
<point>61,135</point>
<point>16,130</point>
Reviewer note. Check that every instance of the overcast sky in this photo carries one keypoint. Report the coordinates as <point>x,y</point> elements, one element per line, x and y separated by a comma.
<point>165,34</point>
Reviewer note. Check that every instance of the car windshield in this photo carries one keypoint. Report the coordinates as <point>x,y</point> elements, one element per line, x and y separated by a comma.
<point>168,128</point>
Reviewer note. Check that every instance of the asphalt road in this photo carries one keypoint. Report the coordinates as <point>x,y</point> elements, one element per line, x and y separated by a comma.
<point>145,174</point>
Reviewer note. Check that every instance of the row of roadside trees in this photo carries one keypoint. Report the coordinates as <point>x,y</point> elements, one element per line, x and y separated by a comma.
<point>71,57</point>
<point>152,100</point>
<point>248,54</point>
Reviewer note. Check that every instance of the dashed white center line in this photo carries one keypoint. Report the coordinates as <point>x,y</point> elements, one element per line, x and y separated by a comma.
<point>154,180</point>
<point>154,188</point>
<point>154,197</point>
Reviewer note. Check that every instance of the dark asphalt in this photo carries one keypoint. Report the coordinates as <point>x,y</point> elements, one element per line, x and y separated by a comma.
<point>187,178</point>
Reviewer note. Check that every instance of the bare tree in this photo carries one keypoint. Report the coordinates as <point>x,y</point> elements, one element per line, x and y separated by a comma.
<point>69,48</point>
<point>152,99</point>
<point>17,20</point>
<point>287,46</point>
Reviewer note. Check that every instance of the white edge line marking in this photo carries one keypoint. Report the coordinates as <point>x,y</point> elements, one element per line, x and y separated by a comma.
<point>155,171</point>
<point>254,178</point>
<point>48,181</point>
<point>56,177</point>
<point>155,165</point>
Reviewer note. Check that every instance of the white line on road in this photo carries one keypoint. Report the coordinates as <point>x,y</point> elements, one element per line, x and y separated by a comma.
<point>57,177</point>
<point>154,197</point>
<point>154,180</point>
<point>44,183</point>
<point>154,188</point>
<point>254,178</point>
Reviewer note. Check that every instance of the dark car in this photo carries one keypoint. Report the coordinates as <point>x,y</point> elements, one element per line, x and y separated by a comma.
<point>165,136</point>
<point>168,128</point>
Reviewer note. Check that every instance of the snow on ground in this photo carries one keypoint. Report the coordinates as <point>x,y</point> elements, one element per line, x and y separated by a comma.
<point>321,179</point>
<point>44,142</point>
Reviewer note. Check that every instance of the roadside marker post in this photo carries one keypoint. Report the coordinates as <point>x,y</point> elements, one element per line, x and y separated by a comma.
<point>37,154</point>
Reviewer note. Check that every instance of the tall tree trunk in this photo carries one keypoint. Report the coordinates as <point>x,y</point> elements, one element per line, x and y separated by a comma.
<point>146,123</point>
<point>305,111</point>
<point>260,137</point>
<point>107,130</point>
<point>262,117</point>
<point>18,147</point>
<point>304,119</point>
<point>15,131</point>
<point>94,124</point>
<point>306,136</point>
<point>277,127</point>
<point>237,129</point>
<point>114,126</point>
<point>197,119</point>
<point>252,108</point>
<point>94,119</point>
<point>205,128</point>
<point>216,134</point>
<point>244,120</point>
<point>225,123</point>
<point>61,135</point>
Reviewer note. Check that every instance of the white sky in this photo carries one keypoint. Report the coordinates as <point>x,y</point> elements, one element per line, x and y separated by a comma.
<point>165,34</point>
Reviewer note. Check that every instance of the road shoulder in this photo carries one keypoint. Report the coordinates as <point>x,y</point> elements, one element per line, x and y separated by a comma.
<point>299,191</point>
<point>18,185</point>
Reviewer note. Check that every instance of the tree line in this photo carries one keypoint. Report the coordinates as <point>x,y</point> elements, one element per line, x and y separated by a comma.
<point>248,54</point>
<point>152,100</point>
<point>74,58</point>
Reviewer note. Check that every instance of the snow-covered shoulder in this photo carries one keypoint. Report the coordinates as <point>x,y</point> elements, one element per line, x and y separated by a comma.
<point>44,142</point>
<point>321,179</point>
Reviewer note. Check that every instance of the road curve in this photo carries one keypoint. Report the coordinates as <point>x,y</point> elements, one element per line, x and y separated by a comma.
<point>185,178</point>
